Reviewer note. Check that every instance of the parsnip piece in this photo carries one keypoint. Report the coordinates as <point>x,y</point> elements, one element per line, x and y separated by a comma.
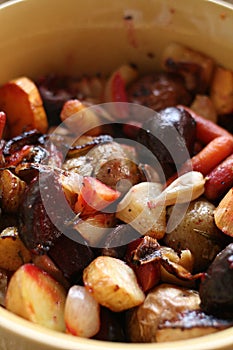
<point>223,214</point>
<point>21,101</point>
<point>185,188</point>
<point>13,252</point>
<point>204,106</point>
<point>134,209</point>
<point>33,294</point>
<point>221,90</point>
<point>11,190</point>
<point>112,283</point>
<point>82,313</point>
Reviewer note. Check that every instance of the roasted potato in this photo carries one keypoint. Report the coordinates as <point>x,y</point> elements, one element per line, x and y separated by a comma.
<point>163,303</point>
<point>197,232</point>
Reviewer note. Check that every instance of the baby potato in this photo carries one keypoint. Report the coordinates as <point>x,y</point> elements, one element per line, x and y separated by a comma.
<point>197,232</point>
<point>163,303</point>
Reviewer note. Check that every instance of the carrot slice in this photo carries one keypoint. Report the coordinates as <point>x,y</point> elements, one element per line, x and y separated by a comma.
<point>211,155</point>
<point>206,130</point>
<point>21,101</point>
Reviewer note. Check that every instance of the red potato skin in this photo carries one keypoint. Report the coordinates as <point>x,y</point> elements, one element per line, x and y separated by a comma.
<point>206,130</point>
<point>219,180</point>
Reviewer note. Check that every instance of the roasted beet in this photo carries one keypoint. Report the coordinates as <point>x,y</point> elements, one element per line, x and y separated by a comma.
<point>216,288</point>
<point>71,256</point>
<point>54,93</point>
<point>159,90</point>
<point>37,228</point>
<point>115,244</point>
<point>111,328</point>
<point>170,136</point>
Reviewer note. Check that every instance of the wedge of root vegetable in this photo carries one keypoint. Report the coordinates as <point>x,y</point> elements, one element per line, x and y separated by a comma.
<point>221,90</point>
<point>94,196</point>
<point>135,209</point>
<point>21,101</point>
<point>185,188</point>
<point>223,214</point>
<point>33,294</point>
<point>82,313</point>
<point>78,118</point>
<point>112,283</point>
<point>196,68</point>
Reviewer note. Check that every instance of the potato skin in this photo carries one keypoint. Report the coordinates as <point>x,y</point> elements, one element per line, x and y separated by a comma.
<point>164,302</point>
<point>198,233</point>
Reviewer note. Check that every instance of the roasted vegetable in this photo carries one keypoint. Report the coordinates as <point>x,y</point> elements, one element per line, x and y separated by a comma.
<point>112,283</point>
<point>196,232</point>
<point>22,103</point>
<point>159,90</point>
<point>170,136</point>
<point>163,304</point>
<point>216,288</point>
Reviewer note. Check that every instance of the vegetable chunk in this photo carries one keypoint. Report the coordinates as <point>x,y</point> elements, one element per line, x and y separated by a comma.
<point>21,101</point>
<point>113,284</point>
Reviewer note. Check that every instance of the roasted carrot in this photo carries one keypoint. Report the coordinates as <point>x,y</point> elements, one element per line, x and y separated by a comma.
<point>206,129</point>
<point>210,156</point>
<point>220,179</point>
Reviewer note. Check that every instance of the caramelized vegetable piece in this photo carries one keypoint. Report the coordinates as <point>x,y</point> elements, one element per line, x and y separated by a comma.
<point>112,283</point>
<point>206,130</point>
<point>170,136</point>
<point>216,288</point>
<point>82,313</point>
<point>221,90</point>
<point>159,90</point>
<point>35,295</point>
<point>12,190</point>
<point>223,214</point>
<point>21,101</point>
<point>13,252</point>
<point>194,66</point>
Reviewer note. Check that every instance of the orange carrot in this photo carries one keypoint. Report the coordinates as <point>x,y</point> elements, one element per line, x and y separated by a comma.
<point>206,129</point>
<point>210,156</point>
<point>220,179</point>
